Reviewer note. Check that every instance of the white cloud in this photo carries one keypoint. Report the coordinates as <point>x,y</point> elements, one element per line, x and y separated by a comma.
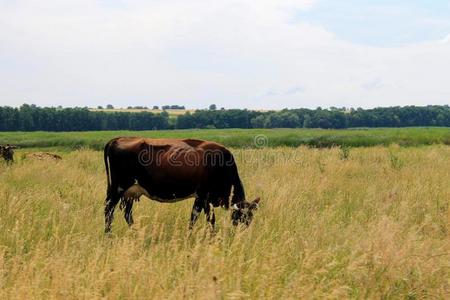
<point>233,53</point>
<point>445,40</point>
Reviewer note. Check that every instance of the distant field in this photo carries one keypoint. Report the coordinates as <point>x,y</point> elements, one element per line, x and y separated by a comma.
<point>239,138</point>
<point>171,112</point>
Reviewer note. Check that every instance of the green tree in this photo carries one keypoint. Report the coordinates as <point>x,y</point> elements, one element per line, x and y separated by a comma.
<point>307,122</point>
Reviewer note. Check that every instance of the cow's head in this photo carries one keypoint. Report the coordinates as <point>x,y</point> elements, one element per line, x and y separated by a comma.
<point>243,211</point>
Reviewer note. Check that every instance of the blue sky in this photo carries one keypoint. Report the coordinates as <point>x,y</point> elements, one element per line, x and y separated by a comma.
<point>381,23</point>
<point>262,54</point>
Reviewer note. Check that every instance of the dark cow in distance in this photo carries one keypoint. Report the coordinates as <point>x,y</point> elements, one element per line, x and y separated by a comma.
<point>7,152</point>
<point>171,170</point>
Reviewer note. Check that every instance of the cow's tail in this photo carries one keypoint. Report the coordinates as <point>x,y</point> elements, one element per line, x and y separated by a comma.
<point>107,167</point>
<point>238,188</point>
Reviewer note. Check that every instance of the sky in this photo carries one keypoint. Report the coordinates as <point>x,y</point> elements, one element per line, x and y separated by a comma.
<point>256,54</point>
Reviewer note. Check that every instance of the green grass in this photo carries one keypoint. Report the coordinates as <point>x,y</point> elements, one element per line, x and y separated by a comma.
<point>240,138</point>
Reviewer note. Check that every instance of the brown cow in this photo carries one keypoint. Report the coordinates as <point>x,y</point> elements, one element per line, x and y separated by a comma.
<point>171,170</point>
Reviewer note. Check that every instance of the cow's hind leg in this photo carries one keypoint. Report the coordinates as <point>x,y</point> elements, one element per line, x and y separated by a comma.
<point>110,204</point>
<point>129,212</point>
<point>196,210</point>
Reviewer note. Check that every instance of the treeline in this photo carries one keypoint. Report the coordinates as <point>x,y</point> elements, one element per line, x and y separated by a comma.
<point>33,118</point>
<point>318,118</point>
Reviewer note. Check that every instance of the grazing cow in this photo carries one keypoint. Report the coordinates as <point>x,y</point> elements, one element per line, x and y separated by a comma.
<point>170,170</point>
<point>7,152</point>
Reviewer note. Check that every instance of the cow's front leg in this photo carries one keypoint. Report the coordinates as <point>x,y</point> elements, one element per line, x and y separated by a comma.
<point>210,216</point>
<point>196,210</point>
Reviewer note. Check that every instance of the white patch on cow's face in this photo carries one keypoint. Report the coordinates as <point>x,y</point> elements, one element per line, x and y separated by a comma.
<point>119,189</point>
<point>243,212</point>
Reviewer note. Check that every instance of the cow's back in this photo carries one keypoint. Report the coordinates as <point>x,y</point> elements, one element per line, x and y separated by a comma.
<point>166,167</point>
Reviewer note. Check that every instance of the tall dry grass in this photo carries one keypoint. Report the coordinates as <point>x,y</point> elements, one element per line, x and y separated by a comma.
<point>373,225</point>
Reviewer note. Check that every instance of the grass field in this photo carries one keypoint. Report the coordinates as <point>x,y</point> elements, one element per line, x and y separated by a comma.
<point>239,138</point>
<point>369,223</point>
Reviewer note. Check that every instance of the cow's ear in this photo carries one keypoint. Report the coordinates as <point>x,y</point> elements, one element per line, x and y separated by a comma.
<point>255,203</point>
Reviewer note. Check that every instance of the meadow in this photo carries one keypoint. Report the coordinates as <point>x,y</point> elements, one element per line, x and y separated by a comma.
<point>242,138</point>
<point>368,222</point>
